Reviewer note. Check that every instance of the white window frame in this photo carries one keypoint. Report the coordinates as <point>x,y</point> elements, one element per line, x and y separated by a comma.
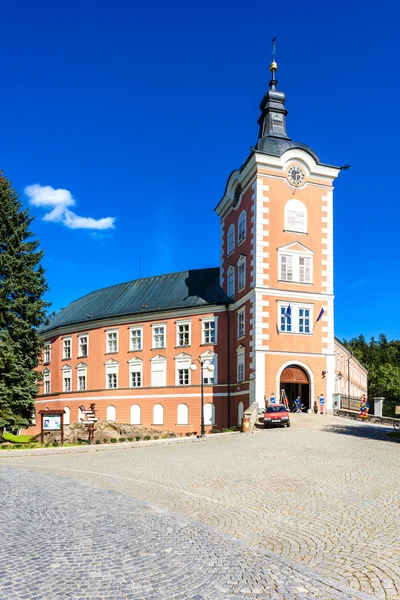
<point>67,415</point>
<point>67,374</point>
<point>109,332</point>
<point>204,331</point>
<point>241,323</point>
<point>83,335</point>
<point>211,357</point>
<point>153,334</point>
<point>158,421</point>
<point>241,267</point>
<point>230,240</point>
<point>295,216</point>
<point>242,227</point>
<point>207,420</point>
<point>231,281</point>
<point>138,410</point>
<point>135,366</point>
<point>183,362</point>
<point>112,368</point>
<point>295,265</point>
<point>114,410</point>
<point>180,419</point>
<point>131,330</point>
<point>47,380</point>
<point>240,370</point>
<point>295,317</point>
<point>64,340</point>
<point>81,371</point>
<point>158,359</point>
<point>47,352</point>
<point>186,323</point>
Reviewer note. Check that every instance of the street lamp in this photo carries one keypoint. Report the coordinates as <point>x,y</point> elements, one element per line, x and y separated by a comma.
<point>204,365</point>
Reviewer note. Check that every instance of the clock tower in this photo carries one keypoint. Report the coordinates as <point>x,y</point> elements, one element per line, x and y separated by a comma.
<point>277,265</point>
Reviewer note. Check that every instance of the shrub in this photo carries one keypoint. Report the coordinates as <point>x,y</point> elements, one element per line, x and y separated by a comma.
<point>138,437</point>
<point>113,440</point>
<point>188,433</point>
<point>147,437</point>
<point>194,432</point>
<point>55,444</point>
<point>130,439</point>
<point>122,439</point>
<point>97,442</point>
<point>156,437</point>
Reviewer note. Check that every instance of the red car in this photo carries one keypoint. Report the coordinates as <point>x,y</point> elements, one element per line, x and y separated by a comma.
<point>276,414</point>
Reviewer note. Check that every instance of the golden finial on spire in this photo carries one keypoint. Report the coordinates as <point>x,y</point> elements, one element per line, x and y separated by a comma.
<point>274,65</point>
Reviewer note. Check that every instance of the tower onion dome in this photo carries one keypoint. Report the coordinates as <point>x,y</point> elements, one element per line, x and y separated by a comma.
<point>273,138</point>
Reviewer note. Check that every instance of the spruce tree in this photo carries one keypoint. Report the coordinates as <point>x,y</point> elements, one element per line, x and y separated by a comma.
<point>22,310</point>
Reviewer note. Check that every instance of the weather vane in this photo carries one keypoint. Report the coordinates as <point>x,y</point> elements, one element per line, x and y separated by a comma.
<point>273,68</point>
<point>273,48</point>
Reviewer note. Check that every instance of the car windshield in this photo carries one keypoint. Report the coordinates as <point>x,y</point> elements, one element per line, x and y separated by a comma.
<point>271,409</point>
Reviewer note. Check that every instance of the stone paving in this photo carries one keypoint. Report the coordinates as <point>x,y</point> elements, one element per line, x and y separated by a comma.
<point>307,512</point>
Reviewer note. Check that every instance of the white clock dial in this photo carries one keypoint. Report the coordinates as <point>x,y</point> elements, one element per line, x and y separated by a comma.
<point>296,176</point>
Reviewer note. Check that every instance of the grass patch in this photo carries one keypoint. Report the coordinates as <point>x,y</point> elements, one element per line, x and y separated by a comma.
<point>17,439</point>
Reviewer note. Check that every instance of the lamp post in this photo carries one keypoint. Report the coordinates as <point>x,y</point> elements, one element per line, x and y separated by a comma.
<point>204,365</point>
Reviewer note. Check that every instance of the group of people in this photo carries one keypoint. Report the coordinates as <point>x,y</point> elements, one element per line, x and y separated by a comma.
<point>297,405</point>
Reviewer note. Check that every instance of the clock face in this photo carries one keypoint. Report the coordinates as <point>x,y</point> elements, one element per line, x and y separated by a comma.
<point>295,175</point>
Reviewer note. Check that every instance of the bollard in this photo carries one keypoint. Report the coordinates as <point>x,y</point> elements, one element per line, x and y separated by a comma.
<point>246,425</point>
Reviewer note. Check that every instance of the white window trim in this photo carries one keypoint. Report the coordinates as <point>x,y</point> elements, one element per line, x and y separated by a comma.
<point>81,335</point>
<point>294,205</point>
<point>241,261</point>
<point>212,357</point>
<point>295,254</point>
<point>153,346</point>
<point>228,236</point>
<point>135,328</point>
<point>182,361</point>
<point>230,272</point>
<point>183,322</point>
<point>81,370</point>
<point>240,241</point>
<point>65,339</point>
<point>240,356</point>
<point>177,414</point>
<point>295,306</point>
<point>163,414</point>
<point>66,374</point>
<point>209,320</point>
<point>107,331</point>
<point>242,311</point>
<point>46,348</point>
<point>135,366</point>
<point>158,358</point>
<point>46,377</point>
<point>112,366</point>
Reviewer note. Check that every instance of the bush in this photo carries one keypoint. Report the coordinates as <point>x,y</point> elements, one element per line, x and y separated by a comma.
<point>156,437</point>
<point>194,432</point>
<point>147,437</point>
<point>5,446</point>
<point>122,439</point>
<point>130,439</point>
<point>138,437</point>
<point>188,433</point>
<point>55,444</point>
<point>97,442</point>
<point>113,440</point>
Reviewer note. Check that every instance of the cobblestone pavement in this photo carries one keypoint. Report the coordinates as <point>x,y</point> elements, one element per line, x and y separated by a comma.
<point>287,513</point>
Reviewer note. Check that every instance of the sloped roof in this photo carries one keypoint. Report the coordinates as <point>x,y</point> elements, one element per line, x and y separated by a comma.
<point>275,146</point>
<point>186,289</point>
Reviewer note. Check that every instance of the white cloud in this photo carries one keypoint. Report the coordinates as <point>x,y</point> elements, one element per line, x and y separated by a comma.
<point>58,201</point>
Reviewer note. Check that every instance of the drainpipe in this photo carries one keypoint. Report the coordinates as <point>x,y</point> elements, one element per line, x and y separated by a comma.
<point>229,361</point>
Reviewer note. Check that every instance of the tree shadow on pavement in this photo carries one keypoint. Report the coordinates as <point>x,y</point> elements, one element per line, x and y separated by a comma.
<point>366,432</point>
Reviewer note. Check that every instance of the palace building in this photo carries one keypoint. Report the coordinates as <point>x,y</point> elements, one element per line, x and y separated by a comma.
<point>260,323</point>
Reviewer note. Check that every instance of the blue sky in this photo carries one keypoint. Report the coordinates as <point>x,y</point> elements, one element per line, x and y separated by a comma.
<point>142,110</point>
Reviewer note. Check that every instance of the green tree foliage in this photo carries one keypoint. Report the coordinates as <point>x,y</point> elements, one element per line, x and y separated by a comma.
<point>382,359</point>
<point>22,310</point>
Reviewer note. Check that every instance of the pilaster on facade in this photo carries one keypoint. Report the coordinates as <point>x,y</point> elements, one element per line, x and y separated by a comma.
<point>327,242</point>
<point>260,231</point>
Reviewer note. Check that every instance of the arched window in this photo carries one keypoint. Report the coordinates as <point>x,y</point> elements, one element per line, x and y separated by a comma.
<point>240,412</point>
<point>46,381</point>
<point>158,414</point>
<point>183,414</point>
<point>242,227</point>
<point>111,413</point>
<point>67,415</point>
<point>209,414</point>
<point>295,216</point>
<point>231,281</point>
<point>135,414</point>
<point>231,238</point>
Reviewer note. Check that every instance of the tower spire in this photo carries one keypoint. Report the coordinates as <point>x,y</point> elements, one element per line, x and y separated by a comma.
<point>273,112</point>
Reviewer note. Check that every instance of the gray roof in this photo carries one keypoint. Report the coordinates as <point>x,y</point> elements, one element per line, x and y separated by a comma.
<point>276,146</point>
<point>186,289</point>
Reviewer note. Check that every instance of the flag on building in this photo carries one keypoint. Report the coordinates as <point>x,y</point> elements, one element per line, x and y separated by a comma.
<point>320,314</point>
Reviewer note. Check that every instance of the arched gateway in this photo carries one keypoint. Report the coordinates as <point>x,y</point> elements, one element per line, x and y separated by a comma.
<point>294,380</point>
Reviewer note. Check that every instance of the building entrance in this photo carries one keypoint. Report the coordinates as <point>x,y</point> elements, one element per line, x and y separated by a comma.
<point>295,382</point>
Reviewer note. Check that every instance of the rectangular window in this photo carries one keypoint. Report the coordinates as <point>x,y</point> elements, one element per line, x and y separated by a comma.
<point>210,377</point>
<point>136,339</point>
<point>111,380</point>
<point>286,319</point>
<point>67,383</point>
<point>304,320</point>
<point>83,345</point>
<point>240,367</point>
<point>47,386</point>
<point>231,239</point>
<point>46,353</point>
<point>112,341</point>
<point>241,329</point>
<point>209,332</point>
<point>286,267</point>
<point>241,275</point>
<point>67,344</point>
<point>136,379</point>
<point>159,336</point>
<point>305,269</point>
<point>158,373</point>
<point>81,382</point>
<point>183,376</point>
<point>231,283</point>
<point>183,330</point>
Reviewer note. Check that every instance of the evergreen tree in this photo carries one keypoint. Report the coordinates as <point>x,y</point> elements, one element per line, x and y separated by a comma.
<point>22,310</point>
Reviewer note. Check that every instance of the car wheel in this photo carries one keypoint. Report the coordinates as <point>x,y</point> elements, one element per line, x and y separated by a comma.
<point>266,426</point>
<point>287,424</point>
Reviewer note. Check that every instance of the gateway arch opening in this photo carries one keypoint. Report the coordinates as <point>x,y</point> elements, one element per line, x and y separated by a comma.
<point>294,380</point>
